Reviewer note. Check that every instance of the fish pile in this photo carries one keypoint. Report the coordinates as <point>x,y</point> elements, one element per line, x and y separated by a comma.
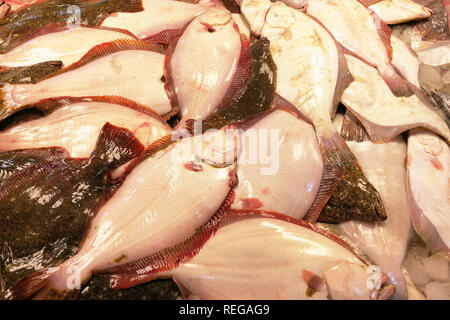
<point>245,149</point>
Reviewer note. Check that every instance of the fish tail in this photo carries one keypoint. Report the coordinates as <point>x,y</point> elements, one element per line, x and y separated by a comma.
<point>116,146</point>
<point>7,105</point>
<point>336,156</point>
<point>44,285</point>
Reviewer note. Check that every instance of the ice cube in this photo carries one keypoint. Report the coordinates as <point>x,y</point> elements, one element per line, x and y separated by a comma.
<point>437,267</point>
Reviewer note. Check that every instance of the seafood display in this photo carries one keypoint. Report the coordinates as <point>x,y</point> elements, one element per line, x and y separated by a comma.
<point>225,149</point>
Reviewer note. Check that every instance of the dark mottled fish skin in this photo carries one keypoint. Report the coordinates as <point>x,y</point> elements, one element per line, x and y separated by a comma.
<point>436,27</point>
<point>441,100</point>
<point>16,160</point>
<point>30,74</point>
<point>44,208</point>
<point>30,19</point>
<point>257,96</point>
<point>345,204</point>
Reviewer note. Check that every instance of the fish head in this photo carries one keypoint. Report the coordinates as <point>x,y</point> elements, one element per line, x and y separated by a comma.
<point>212,20</point>
<point>219,148</point>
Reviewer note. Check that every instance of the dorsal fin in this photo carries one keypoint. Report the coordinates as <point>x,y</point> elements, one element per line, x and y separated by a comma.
<point>107,48</point>
<point>63,26</point>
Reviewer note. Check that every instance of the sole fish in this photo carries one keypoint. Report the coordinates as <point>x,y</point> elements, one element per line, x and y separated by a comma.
<point>244,260</point>
<point>158,16</point>
<point>385,243</point>
<point>428,188</point>
<point>209,66</point>
<point>72,127</point>
<point>197,171</point>
<point>280,166</point>
<point>361,31</point>
<point>59,42</point>
<point>125,68</point>
<point>314,91</point>
<point>383,115</point>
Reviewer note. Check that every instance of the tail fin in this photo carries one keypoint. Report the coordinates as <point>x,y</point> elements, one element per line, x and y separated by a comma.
<point>7,105</point>
<point>116,146</point>
<point>41,285</point>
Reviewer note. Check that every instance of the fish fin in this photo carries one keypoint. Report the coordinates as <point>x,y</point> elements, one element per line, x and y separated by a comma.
<point>399,86</point>
<point>7,104</point>
<point>330,179</point>
<point>59,27</point>
<point>108,48</point>
<point>235,215</point>
<point>18,179</point>
<point>335,151</point>
<point>379,133</point>
<point>39,286</point>
<point>383,31</point>
<point>152,149</point>
<point>49,104</point>
<point>116,146</point>
<point>280,103</point>
<point>241,75</point>
<point>345,78</point>
<point>355,198</point>
<point>146,269</point>
<point>166,36</point>
<point>169,86</point>
<point>352,129</point>
<point>29,74</point>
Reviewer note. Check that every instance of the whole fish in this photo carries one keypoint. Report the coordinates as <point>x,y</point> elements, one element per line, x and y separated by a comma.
<point>360,31</point>
<point>385,242</point>
<point>158,16</point>
<point>127,68</point>
<point>370,100</point>
<point>398,11</point>
<point>405,60</point>
<point>59,42</point>
<point>40,203</point>
<point>311,76</point>
<point>271,256</point>
<point>280,166</point>
<point>26,22</point>
<point>209,66</point>
<point>174,189</point>
<point>72,127</point>
<point>428,188</point>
